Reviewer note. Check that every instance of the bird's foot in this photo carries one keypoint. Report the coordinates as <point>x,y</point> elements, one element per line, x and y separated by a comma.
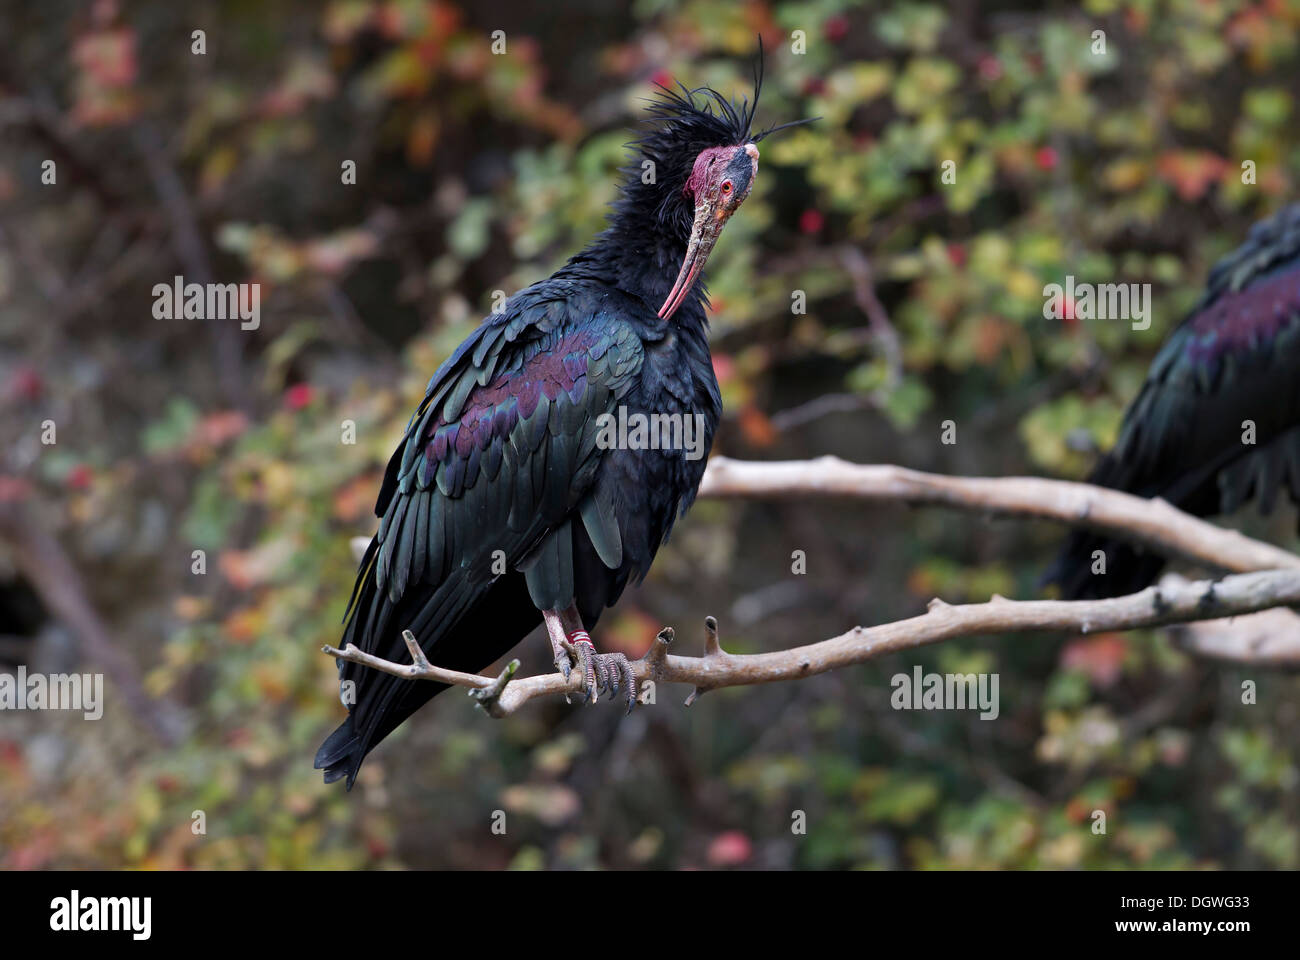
<point>601,672</point>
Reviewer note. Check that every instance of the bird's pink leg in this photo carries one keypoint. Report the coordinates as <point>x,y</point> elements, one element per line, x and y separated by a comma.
<point>572,646</point>
<point>555,631</point>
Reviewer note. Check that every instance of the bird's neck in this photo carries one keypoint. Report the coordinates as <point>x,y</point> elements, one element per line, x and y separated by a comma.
<point>641,253</point>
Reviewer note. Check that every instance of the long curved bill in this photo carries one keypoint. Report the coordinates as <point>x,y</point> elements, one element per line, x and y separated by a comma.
<point>704,234</point>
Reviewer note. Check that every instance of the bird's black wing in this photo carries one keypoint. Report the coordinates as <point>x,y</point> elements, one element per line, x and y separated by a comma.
<point>496,465</point>
<point>1217,420</point>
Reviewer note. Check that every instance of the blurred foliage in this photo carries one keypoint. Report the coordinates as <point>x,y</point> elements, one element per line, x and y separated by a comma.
<point>478,173</point>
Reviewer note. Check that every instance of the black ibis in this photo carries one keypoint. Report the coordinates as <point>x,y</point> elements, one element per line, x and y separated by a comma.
<point>501,508</point>
<point>1217,421</point>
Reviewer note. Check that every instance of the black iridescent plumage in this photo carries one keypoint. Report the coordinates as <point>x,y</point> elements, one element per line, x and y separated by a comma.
<point>502,454</point>
<point>1233,360</point>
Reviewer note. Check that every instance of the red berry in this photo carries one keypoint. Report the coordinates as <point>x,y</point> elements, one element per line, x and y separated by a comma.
<point>724,368</point>
<point>836,28</point>
<point>730,849</point>
<point>13,489</point>
<point>299,396</point>
<point>811,221</point>
<point>814,87</point>
<point>1064,306</point>
<point>1046,158</point>
<point>27,383</point>
<point>990,67</point>
<point>79,477</point>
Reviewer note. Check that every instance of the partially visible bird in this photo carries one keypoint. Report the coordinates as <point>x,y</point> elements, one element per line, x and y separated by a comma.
<point>1217,421</point>
<point>502,508</point>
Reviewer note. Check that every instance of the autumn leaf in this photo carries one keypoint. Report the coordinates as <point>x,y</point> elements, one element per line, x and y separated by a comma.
<point>1100,657</point>
<point>1190,172</point>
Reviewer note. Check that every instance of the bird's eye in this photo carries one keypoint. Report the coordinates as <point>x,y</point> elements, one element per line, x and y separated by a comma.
<point>726,186</point>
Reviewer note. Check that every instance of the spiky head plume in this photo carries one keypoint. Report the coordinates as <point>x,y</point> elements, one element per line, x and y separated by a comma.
<point>684,123</point>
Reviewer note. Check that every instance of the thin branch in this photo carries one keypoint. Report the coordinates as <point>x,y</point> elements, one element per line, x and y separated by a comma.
<point>1267,577</point>
<point>1154,524</point>
<point>1270,638</point>
<point>54,577</point>
<point>1152,607</point>
<point>859,270</point>
<point>880,328</point>
<point>193,255</point>
<point>819,407</point>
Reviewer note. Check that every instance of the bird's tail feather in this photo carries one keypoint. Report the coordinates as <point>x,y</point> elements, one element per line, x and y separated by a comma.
<point>460,625</point>
<point>382,701</point>
<point>335,755</point>
<point>1094,566</point>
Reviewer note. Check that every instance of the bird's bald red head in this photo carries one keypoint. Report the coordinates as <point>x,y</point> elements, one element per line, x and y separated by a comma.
<point>719,182</point>
<point>726,173</point>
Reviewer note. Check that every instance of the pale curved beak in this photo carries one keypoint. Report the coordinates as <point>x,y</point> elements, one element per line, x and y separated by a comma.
<point>704,234</point>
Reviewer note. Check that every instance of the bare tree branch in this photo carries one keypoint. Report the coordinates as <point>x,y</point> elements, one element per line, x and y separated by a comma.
<point>55,578</point>
<point>1267,577</point>
<point>193,254</point>
<point>1270,638</point>
<point>1152,607</point>
<point>859,270</point>
<point>1154,524</point>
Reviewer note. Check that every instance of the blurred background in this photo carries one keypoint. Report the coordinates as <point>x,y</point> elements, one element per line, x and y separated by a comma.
<point>477,173</point>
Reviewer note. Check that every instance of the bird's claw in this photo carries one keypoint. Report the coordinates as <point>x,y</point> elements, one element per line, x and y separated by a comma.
<point>614,669</point>
<point>562,659</point>
<point>600,671</point>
